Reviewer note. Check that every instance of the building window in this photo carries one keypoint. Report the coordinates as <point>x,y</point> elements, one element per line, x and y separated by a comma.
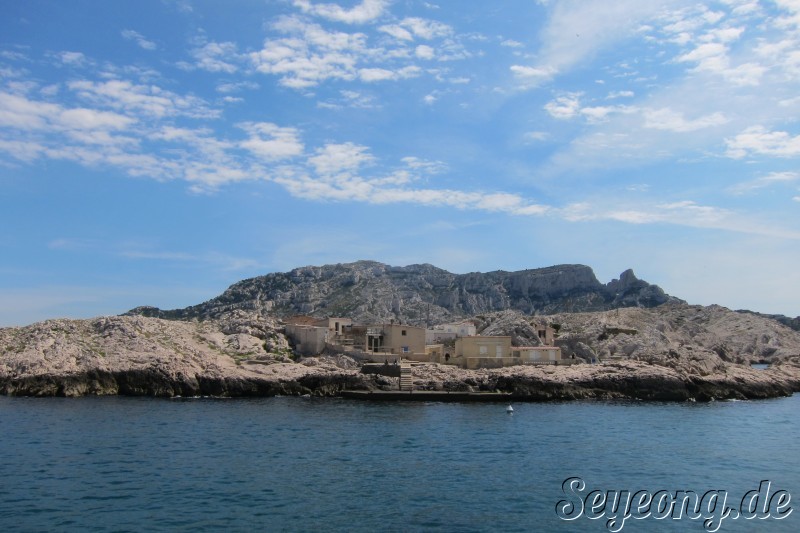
<point>484,350</point>
<point>403,332</point>
<point>405,349</point>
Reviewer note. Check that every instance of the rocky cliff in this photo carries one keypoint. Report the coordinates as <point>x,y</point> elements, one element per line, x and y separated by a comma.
<point>370,292</point>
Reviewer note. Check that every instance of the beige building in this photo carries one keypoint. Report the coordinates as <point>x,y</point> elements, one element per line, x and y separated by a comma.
<point>386,342</point>
<point>480,346</point>
<point>481,351</point>
<point>306,339</point>
<point>403,340</point>
<point>434,353</point>
<point>546,334</point>
<point>444,332</point>
<point>536,354</point>
<point>494,352</point>
<point>336,326</point>
<point>310,335</point>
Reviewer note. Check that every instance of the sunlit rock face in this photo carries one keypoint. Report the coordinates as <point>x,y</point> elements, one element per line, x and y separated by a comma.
<point>370,292</point>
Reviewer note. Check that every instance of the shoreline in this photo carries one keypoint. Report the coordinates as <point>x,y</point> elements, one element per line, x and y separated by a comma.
<point>605,381</point>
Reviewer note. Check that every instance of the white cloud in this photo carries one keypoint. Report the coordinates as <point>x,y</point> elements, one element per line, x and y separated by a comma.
<point>233,87</point>
<point>146,99</point>
<point>135,142</point>
<point>757,140</point>
<point>91,119</point>
<point>423,165</point>
<point>310,55</point>
<point>564,107</point>
<point>763,182</point>
<point>90,126</point>
<point>670,120</point>
<point>26,151</point>
<point>382,74</point>
<point>397,31</point>
<point>139,39</point>
<point>376,191</point>
<point>271,142</point>
<point>620,94</point>
<point>350,99</point>
<point>720,79</point>
<point>600,113</point>
<point>791,19</point>
<point>72,58</point>
<point>425,28</point>
<point>532,76</point>
<point>682,213</point>
<point>217,57</point>
<point>723,35</point>
<point>536,136</point>
<point>20,113</point>
<point>366,11</point>
<point>708,53</point>
<point>337,176</point>
<point>510,43</point>
<point>577,30</point>
<point>424,52</point>
<point>713,57</point>
<point>334,159</point>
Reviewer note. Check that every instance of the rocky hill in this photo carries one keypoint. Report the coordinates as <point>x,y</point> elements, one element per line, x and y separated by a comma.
<point>673,352</point>
<point>370,292</point>
<point>241,355</point>
<point>649,345</point>
<point>690,336</point>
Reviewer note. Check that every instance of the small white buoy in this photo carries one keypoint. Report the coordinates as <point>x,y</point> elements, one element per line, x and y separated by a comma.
<point>509,409</point>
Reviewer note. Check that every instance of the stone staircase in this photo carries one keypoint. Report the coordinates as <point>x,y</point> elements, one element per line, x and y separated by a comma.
<point>406,380</point>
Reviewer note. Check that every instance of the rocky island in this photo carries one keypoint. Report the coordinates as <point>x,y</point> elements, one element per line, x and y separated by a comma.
<point>646,344</point>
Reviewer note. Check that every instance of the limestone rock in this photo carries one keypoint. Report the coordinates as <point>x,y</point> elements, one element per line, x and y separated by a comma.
<point>370,292</point>
<point>147,356</point>
<point>699,337</point>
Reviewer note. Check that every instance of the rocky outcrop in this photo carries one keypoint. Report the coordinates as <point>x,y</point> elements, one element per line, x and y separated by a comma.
<point>370,292</point>
<point>793,323</point>
<point>521,328</point>
<point>236,356</point>
<point>648,344</point>
<point>695,337</point>
<point>614,380</point>
<point>671,353</point>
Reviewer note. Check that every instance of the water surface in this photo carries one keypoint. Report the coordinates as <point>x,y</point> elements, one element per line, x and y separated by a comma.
<point>301,464</point>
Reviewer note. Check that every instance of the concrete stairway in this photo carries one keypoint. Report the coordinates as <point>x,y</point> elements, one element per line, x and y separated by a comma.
<point>406,381</point>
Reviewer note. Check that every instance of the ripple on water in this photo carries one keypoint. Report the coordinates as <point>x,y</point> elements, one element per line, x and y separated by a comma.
<point>129,464</point>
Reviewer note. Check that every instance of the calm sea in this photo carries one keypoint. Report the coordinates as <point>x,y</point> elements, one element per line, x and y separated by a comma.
<point>308,464</point>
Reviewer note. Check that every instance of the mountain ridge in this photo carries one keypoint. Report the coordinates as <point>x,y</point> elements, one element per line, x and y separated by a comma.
<point>421,294</point>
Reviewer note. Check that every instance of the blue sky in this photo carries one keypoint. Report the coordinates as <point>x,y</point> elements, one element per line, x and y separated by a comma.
<point>156,151</point>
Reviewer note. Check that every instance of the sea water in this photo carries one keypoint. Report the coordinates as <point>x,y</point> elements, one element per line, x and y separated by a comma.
<point>313,464</point>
